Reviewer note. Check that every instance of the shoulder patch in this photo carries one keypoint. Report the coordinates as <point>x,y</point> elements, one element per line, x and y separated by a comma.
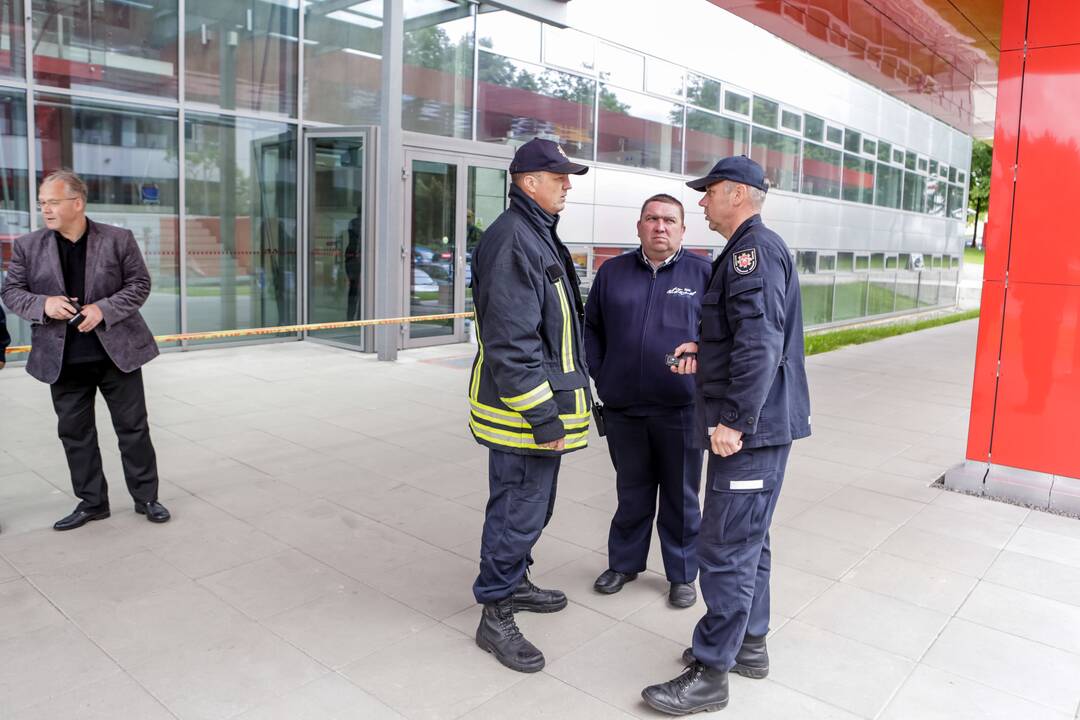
<point>745,261</point>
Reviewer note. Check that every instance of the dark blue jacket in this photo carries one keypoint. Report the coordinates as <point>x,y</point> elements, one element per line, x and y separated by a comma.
<point>529,381</point>
<point>751,370</point>
<point>634,317</point>
<point>5,339</point>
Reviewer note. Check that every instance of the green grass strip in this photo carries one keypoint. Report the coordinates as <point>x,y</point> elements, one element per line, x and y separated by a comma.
<point>833,339</point>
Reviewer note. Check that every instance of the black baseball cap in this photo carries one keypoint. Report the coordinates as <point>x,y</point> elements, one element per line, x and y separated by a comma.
<point>544,155</point>
<point>737,168</point>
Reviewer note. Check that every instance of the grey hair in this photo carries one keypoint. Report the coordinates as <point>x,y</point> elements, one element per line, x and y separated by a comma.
<point>756,196</point>
<point>74,183</point>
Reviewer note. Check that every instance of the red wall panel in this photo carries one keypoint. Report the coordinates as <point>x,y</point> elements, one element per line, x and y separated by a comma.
<point>1013,24</point>
<point>1053,22</point>
<point>1044,244</point>
<point>1006,129</point>
<point>1039,391</point>
<point>984,386</point>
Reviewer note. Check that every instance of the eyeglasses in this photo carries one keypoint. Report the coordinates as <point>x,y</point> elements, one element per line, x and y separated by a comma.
<point>42,204</point>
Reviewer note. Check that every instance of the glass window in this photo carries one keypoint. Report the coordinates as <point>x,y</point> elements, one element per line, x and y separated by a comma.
<point>519,101</point>
<point>570,49</point>
<point>852,141</point>
<point>914,192</point>
<point>862,262</point>
<point>814,128</point>
<point>956,202</point>
<point>936,191</point>
<point>241,222</point>
<point>736,103</point>
<point>806,261</point>
<point>639,131</point>
<point>897,156</point>
<point>845,262</point>
<point>909,160</point>
<point>503,32</point>
<point>342,63</point>
<point>858,179</point>
<point>663,78</point>
<point>621,67</point>
<point>888,186</point>
<point>922,164</point>
<point>126,47</point>
<point>14,190</point>
<point>869,147</point>
<point>703,92</point>
<point>821,170</point>
<point>952,174</point>
<point>12,40</point>
<point>242,54</point>
<point>437,76</point>
<point>891,262</point>
<point>127,156</point>
<point>826,262</point>
<point>884,151</point>
<point>960,177</point>
<point>877,261</point>
<point>779,155</point>
<point>766,112</point>
<point>933,167</point>
<point>710,137</point>
<point>791,121</point>
<point>834,135</point>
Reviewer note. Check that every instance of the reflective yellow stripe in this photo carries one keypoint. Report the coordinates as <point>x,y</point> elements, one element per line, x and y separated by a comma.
<point>474,387</point>
<point>513,419</point>
<point>567,329</point>
<point>531,399</point>
<point>524,440</point>
<point>580,405</point>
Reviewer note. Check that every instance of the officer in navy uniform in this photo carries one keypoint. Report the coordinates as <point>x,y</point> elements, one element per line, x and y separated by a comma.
<point>527,390</point>
<point>751,403</point>
<point>642,305</point>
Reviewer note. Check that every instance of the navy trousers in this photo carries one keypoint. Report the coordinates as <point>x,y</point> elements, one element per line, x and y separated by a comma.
<point>521,499</point>
<point>733,550</point>
<point>652,453</point>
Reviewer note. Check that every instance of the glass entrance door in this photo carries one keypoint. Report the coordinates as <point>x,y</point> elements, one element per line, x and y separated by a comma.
<point>339,247</point>
<point>452,199</point>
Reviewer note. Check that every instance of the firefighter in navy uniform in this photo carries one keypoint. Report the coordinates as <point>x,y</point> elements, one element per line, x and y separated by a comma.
<point>528,390</point>
<point>751,402</point>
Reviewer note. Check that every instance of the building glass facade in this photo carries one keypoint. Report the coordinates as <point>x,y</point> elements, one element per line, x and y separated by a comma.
<point>120,92</point>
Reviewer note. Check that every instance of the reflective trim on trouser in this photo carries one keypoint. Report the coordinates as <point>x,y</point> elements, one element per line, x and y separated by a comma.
<point>651,453</point>
<point>520,502</point>
<point>734,559</point>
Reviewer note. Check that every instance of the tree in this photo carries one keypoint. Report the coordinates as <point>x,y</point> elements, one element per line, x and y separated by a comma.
<point>979,182</point>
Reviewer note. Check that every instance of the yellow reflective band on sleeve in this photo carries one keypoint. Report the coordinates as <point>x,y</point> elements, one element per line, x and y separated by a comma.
<point>524,440</point>
<point>531,399</point>
<point>515,420</point>
<point>567,329</point>
<point>580,406</point>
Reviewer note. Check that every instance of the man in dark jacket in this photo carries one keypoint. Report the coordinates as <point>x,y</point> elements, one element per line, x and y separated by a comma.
<point>527,390</point>
<point>642,305</point>
<point>751,403</point>
<point>81,284</point>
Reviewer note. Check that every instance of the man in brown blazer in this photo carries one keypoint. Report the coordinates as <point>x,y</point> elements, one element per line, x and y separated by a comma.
<point>80,284</point>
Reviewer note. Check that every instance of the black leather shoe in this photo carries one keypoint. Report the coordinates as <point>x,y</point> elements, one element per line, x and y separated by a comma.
<point>530,598</point>
<point>498,634</point>
<point>699,689</point>
<point>154,511</point>
<point>611,581</point>
<point>752,661</point>
<point>79,518</point>
<point>682,595</point>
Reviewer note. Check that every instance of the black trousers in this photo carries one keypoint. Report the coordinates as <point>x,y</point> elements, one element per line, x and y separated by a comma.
<point>73,397</point>
<point>653,455</point>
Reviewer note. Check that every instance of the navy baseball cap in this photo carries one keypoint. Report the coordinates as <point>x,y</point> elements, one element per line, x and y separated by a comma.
<point>544,155</point>
<point>737,168</point>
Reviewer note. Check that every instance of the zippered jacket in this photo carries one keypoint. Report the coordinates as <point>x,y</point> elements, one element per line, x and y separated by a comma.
<point>634,317</point>
<point>529,379</point>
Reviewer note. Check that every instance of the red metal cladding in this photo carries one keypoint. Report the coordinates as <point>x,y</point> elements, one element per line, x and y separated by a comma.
<point>1039,389</point>
<point>984,386</point>
<point>1053,22</point>
<point>1044,245</point>
<point>1013,24</point>
<point>1007,125</point>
